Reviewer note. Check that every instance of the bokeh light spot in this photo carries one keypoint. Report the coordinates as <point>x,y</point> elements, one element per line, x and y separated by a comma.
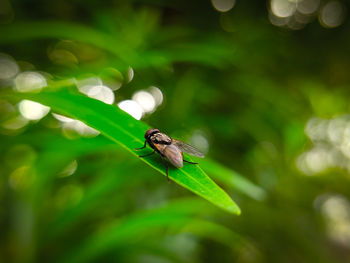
<point>282,8</point>
<point>94,88</point>
<point>21,178</point>
<point>308,7</point>
<point>70,194</point>
<point>316,129</point>
<point>223,5</point>
<point>145,100</point>
<point>69,169</point>
<point>332,14</point>
<point>112,78</point>
<point>62,118</point>
<point>8,67</point>
<point>278,21</point>
<point>336,129</point>
<point>131,107</point>
<point>200,141</point>
<point>32,110</point>
<point>78,127</point>
<point>101,93</point>
<point>157,95</point>
<point>336,210</point>
<point>130,75</point>
<point>84,85</point>
<point>30,81</point>
<point>315,161</point>
<point>331,139</point>
<point>63,57</point>
<point>15,123</point>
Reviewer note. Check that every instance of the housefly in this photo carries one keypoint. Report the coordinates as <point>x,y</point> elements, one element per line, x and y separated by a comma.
<point>168,148</point>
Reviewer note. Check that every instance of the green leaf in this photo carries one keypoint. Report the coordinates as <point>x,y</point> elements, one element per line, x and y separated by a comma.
<point>207,51</point>
<point>92,195</point>
<point>63,30</point>
<point>140,225</point>
<point>233,179</point>
<point>120,127</point>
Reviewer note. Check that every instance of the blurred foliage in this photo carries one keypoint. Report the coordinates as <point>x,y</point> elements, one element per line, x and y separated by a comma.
<point>266,102</point>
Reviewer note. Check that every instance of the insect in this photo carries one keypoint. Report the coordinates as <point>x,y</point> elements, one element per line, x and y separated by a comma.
<point>168,148</point>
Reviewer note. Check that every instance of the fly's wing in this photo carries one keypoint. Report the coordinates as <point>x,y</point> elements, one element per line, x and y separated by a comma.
<point>188,148</point>
<point>174,155</point>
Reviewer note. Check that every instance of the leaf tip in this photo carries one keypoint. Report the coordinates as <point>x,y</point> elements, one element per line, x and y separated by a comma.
<point>234,209</point>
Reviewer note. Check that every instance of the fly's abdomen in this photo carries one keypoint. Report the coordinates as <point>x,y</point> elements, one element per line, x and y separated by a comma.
<point>174,155</point>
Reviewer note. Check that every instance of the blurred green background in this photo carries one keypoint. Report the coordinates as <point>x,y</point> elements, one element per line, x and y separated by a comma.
<point>261,87</point>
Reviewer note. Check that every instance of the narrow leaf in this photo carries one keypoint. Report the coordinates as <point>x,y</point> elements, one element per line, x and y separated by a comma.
<point>231,178</point>
<point>136,226</point>
<point>120,127</point>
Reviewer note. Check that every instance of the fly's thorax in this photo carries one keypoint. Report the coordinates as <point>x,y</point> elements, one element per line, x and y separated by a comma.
<point>160,138</point>
<point>173,154</point>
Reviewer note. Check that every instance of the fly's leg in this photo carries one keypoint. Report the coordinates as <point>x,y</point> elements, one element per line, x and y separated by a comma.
<point>147,154</point>
<point>167,168</point>
<point>189,162</point>
<point>144,146</point>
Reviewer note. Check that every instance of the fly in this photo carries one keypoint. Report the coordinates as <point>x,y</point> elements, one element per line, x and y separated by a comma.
<point>168,148</point>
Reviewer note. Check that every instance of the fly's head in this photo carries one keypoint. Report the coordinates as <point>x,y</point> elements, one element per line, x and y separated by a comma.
<point>150,132</point>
